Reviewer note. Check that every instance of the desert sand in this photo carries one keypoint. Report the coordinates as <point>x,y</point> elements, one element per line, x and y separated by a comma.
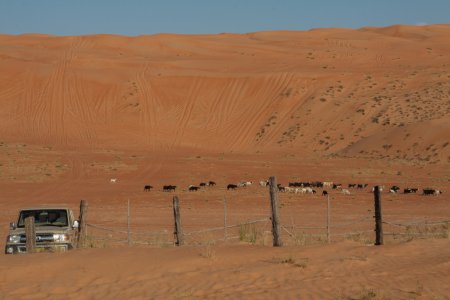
<point>416,270</point>
<point>370,105</point>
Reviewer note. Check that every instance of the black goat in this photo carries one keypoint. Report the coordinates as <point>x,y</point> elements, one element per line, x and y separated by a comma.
<point>231,187</point>
<point>410,190</point>
<point>147,188</point>
<point>169,188</point>
<point>429,191</point>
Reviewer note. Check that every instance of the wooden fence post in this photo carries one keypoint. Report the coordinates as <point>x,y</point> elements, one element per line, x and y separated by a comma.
<point>378,217</point>
<point>328,219</point>
<point>225,215</point>
<point>30,234</point>
<point>82,229</point>
<point>448,230</point>
<point>277,242</point>
<point>128,224</point>
<point>178,230</point>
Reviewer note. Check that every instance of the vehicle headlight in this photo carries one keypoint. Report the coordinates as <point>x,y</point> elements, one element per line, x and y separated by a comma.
<point>14,238</point>
<point>60,237</point>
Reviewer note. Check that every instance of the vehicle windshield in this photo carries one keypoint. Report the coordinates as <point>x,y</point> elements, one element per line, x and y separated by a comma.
<point>44,217</point>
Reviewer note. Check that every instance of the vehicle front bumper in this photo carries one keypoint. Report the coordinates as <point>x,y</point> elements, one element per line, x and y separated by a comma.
<point>22,248</point>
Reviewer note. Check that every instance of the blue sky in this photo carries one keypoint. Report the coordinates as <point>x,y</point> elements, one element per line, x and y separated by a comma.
<point>137,17</point>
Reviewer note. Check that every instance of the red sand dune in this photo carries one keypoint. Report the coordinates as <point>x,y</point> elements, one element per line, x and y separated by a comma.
<point>350,106</point>
<point>313,91</point>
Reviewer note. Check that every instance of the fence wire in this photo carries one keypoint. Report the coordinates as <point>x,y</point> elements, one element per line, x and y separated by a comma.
<point>102,236</point>
<point>402,231</point>
<point>231,224</point>
<point>249,231</point>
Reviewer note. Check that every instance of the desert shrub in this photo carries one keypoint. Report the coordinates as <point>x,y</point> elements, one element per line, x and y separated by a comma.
<point>248,233</point>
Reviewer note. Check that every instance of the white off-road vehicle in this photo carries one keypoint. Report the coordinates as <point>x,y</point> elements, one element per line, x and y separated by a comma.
<point>55,228</point>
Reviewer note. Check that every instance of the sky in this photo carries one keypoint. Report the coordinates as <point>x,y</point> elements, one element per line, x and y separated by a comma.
<point>141,17</point>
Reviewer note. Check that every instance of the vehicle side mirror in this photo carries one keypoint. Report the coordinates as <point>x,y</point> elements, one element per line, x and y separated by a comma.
<point>75,224</point>
<point>12,226</point>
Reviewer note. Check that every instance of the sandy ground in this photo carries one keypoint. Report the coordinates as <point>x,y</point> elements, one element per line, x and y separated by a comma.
<point>347,270</point>
<point>347,106</point>
<point>412,267</point>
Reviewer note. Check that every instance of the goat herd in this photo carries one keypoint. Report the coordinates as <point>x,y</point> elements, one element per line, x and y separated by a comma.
<point>302,187</point>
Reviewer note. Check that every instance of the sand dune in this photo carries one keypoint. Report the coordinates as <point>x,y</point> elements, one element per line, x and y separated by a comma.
<point>314,91</point>
<point>421,141</point>
<point>349,106</point>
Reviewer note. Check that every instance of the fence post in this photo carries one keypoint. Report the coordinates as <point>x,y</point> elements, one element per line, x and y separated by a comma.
<point>378,217</point>
<point>448,230</point>
<point>328,219</point>
<point>277,242</point>
<point>82,229</point>
<point>30,234</point>
<point>128,224</point>
<point>176,213</point>
<point>225,215</point>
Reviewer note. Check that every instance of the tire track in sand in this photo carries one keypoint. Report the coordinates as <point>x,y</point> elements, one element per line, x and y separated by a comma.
<point>48,109</point>
<point>150,107</point>
<point>214,118</point>
<point>11,89</point>
<point>18,91</point>
<point>80,110</point>
<point>41,107</point>
<point>224,108</point>
<point>60,103</point>
<point>250,118</point>
<point>229,102</point>
<point>186,112</point>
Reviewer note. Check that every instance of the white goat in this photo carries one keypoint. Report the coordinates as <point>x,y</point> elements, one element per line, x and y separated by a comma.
<point>300,190</point>
<point>327,183</point>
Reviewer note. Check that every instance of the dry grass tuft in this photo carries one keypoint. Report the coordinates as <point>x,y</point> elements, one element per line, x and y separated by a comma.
<point>290,260</point>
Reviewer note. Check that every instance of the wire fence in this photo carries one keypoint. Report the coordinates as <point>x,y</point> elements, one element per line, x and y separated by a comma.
<point>360,229</point>
<point>217,221</point>
<point>397,230</point>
